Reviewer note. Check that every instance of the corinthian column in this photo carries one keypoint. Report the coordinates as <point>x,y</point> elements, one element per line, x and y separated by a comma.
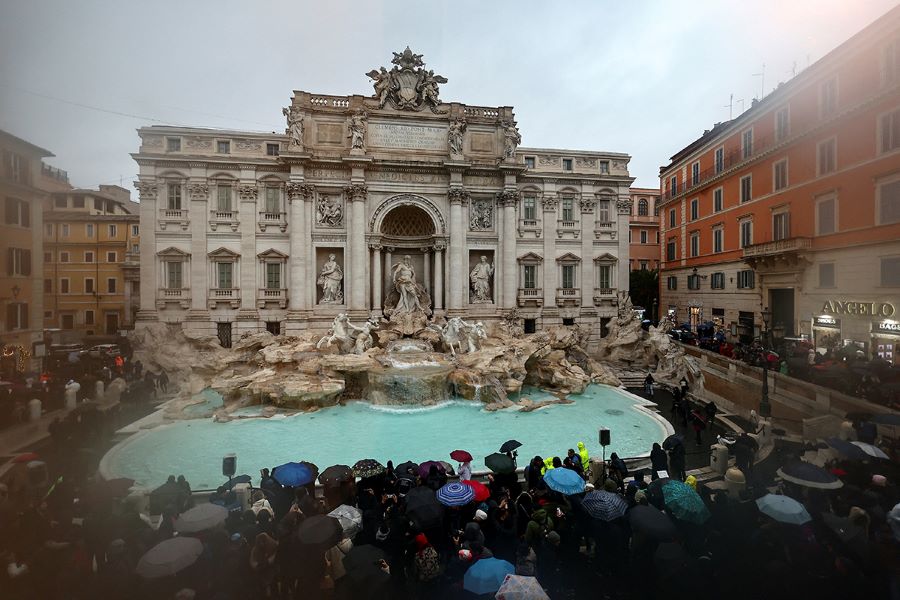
<point>356,194</point>
<point>438,295</point>
<point>147,190</point>
<point>549,205</point>
<point>199,193</point>
<point>457,197</point>
<point>376,280</point>
<point>507,201</point>
<point>298,194</point>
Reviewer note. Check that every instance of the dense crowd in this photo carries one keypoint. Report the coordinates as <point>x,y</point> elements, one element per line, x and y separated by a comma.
<point>582,528</point>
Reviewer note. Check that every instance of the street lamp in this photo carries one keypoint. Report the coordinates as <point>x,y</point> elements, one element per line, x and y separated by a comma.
<point>765,409</point>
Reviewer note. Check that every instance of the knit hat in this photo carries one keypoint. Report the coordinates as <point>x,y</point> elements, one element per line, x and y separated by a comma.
<point>421,541</point>
<point>553,538</point>
<point>465,555</point>
<point>640,497</point>
<point>480,515</point>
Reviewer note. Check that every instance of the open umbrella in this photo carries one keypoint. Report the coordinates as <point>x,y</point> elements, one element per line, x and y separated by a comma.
<point>520,587</point>
<point>870,450</point>
<point>320,532</point>
<point>423,508</point>
<point>482,492</point>
<point>312,467</point>
<point>847,449</point>
<point>455,494</point>
<point>652,523</point>
<point>676,439</point>
<point>368,467</point>
<point>350,518</point>
<point>510,445</point>
<point>200,518</point>
<point>425,468</point>
<point>851,536</point>
<point>487,575</point>
<point>499,463</point>
<point>406,470</point>
<point>293,474</point>
<point>809,475</point>
<point>604,505</point>
<point>169,557</point>
<point>886,419</point>
<point>684,502</point>
<point>362,565</point>
<point>237,479</point>
<point>564,481</point>
<point>783,509</point>
<point>335,475</point>
<point>461,455</point>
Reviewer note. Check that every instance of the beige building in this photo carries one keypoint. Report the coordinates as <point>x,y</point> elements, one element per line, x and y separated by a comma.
<point>643,233</point>
<point>91,262</point>
<point>247,231</point>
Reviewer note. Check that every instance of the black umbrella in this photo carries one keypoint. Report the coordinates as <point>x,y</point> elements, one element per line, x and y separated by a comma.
<point>655,494</point>
<point>887,418</point>
<point>499,463</point>
<point>335,475</point>
<point>312,467</point>
<point>652,523</point>
<point>853,537</point>
<point>673,441</point>
<point>320,532</point>
<point>423,508</point>
<point>363,567</point>
<point>809,475</point>
<point>406,470</point>
<point>510,445</point>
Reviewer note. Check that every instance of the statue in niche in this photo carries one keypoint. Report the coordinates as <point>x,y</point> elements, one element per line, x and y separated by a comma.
<point>357,130</point>
<point>511,138</point>
<point>404,278</point>
<point>482,217</point>
<point>330,278</point>
<point>408,304</point>
<point>455,136</point>
<point>480,278</point>
<point>329,212</point>
<point>294,126</point>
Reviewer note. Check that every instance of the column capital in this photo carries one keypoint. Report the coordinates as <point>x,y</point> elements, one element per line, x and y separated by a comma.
<point>624,205</point>
<point>550,202</point>
<point>587,204</point>
<point>146,189</point>
<point>248,192</point>
<point>376,246</point>
<point>507,198</point>
<point>439,246</point>
<point>458,195</point>
<point>198,191</point>
<point>356,192</point>
<point>296,190</point>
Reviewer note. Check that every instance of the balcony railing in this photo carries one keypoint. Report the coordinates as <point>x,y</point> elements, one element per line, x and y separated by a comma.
<point>564,224</point>
<point>568,296</point>
<point>534,296</point>
<point>224,293</point>
<point>529,223</point>
<point>278,295</point>
<point>272,218</point>
<point>778,247</point>
<point>171,295</point>
<point>223,217</point>
<point>174,293</point>
<point>173,214</point>
<point>604,225</point>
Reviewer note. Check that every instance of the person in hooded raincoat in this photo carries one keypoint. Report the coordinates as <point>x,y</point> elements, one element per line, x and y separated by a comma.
<point>585,457</point>
<point>548,464</point>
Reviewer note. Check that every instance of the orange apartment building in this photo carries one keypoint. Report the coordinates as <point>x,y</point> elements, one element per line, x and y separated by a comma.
<point>643,229</point>
<point>794,207</point>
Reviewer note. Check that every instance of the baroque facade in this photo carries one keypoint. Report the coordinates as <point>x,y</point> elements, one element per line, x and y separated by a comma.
<point>247,231</point>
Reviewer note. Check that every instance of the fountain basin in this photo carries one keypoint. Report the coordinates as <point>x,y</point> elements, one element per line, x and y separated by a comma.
<point>413,383</point>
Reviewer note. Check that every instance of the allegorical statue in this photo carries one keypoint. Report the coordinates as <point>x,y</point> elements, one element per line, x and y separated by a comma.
<point>294,126</point>
<point>329,212</point>
<point>383,80</point>
<point>330,278</point>
<point>357,130</point>
<point>511,139</point>
<point>455,136</point>
<point>480,277</point>
<point>404,278</point>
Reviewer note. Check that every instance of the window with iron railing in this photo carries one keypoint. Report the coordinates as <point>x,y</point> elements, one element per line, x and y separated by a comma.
<point>173,196</point>
<point>529,276</point>
<point>273,275</point>
<point>568,277</point>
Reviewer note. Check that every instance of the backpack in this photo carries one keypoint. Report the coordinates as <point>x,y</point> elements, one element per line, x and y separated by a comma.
<point>428,564</point>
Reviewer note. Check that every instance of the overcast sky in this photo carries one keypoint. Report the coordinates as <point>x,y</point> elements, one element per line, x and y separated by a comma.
<point>644,78</point>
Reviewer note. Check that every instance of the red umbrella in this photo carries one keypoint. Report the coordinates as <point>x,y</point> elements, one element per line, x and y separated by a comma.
<point>482,492</point>
<point>461,456</point>
<point>25,458</point>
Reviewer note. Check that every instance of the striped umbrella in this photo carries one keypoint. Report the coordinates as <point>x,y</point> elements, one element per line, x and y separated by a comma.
<point>455,494</point>
<point>604,505</point>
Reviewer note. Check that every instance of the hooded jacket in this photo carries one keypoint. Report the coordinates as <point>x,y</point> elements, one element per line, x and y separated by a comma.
<point>585,457</point>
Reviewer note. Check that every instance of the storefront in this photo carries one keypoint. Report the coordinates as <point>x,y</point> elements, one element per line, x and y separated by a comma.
<point>886,340</point>
<point>826,333</point>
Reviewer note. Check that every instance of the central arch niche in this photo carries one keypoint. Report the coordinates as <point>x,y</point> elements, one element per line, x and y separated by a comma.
<point>408,221</point>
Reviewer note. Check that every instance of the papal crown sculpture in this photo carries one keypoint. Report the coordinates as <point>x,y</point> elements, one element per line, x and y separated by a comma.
<point>407,86</point>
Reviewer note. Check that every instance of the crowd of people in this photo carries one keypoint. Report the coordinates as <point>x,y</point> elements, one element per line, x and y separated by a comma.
<point>81,541</point>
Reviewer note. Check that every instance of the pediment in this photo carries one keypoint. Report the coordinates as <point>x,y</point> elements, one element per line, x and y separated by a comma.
<point>224,253</point>
<point>272,254</point>
<point>173,252</point>
<point>606,257</point>
<point>531,257</point>
<point>568,257</point>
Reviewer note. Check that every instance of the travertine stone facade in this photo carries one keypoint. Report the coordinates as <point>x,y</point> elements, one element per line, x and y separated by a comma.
<point>243,231</point>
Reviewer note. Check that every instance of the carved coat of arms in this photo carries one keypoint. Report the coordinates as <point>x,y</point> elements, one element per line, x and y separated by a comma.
<point>408,85</point>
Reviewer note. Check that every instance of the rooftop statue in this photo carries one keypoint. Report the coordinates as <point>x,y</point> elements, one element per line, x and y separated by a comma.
<point>408,85</point>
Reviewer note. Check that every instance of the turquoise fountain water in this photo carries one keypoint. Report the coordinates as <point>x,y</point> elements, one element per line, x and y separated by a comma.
<point>345,434</point>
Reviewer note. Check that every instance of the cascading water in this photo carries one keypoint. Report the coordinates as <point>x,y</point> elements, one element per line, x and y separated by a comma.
<point>410,374</point>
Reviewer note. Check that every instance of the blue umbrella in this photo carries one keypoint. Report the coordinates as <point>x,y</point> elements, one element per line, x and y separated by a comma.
<point>783,509</point>
<point>886,419</point>
<point>809,475</point>
<point>684,503</point>
<point>293,474</point>
<point>487,575</point>
<point>604,505</point>
<point>847,449</point>
<point>565,481</point>
<point>455,494</point>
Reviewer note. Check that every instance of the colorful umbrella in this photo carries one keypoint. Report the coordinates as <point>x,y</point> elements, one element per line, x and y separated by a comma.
<point>520,587</point>
<point>461,456</point>
<point>455,494</point>
<point>604,505</point>
<point>510,445</point>
<point>783,509</point>
<point>201,518</point>
<point>487,575</point>
<point>499,463</point>
<point>368,467</point>
<point>809,475</point>
<point>350,518</point>
<point>684,502</point>
<point>564,481</point>
<point>425,468</point>
<point>482,492</point>
<point>335,475</point>
<point>293,474</point>
<point>169,557</point>
<point>320,532</point>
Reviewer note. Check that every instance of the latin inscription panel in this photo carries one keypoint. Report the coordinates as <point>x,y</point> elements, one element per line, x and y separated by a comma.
<point>407,137</point>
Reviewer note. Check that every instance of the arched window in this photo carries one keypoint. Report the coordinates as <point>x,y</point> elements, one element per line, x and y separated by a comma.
<point>642,207</point>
